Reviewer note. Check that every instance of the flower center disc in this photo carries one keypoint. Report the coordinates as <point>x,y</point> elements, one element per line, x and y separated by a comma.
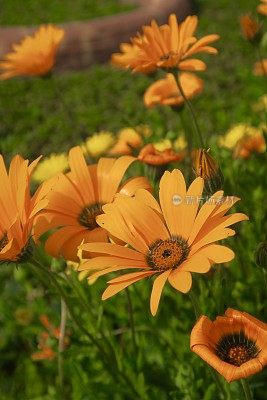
<point>88,216</point>
<point>236,349</point>
<point>167,254</point>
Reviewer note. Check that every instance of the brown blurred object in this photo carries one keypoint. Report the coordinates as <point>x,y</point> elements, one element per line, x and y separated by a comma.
<point>89,42</point>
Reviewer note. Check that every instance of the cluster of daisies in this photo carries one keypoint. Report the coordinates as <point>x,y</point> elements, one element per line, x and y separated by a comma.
<point>112,219</point>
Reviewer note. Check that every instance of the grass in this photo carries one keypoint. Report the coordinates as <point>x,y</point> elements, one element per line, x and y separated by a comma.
<point>33,12</point>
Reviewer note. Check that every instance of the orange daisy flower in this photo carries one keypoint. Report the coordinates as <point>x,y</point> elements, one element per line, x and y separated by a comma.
<point>250,144</point>
<point>262,8</point>
<point>150,155</point>
<point>77,198</point>
<point>167,46</point>
<point>166,92</point>
<point>17,208</point>
<point>128,140</point>
<point>129,58</point>
<point>35,55</point>
<point>169,240</point>
<point>235,345</point>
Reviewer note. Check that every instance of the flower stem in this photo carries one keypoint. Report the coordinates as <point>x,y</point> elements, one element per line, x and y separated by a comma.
<point>246,389</point>
<point>63,320</point>
<point>61,292</point>
<point>130,308</point>
<point>195,303</point>
<point>107,360</point>
<point>213,373</point>
<point>189,105</point>
<point>218,383</point>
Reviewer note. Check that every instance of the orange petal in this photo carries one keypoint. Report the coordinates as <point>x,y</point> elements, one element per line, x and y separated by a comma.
<point>81,175</point>
<point>116,288</point>
<point>217,253</point>
<point>114,250</point>
<point>157,290</point>
<point>110,176</point>
<point>173,184</point>
<point>180,280</point>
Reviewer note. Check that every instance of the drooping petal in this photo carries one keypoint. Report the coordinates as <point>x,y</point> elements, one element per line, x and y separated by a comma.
<point>180,280</point>
<point>157,290</point>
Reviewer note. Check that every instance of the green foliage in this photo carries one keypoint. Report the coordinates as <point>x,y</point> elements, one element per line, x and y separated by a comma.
<point>33,12</point>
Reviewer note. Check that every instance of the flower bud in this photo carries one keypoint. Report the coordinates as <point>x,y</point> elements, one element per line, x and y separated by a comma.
<point>207,168</point>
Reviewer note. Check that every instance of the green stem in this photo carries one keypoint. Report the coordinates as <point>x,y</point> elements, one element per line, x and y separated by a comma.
<point>214,374</point>
<point>187,131</point>
<point>61,340</point>
<point>189,105</point>
<point>130,308</point>
<point>195,303</point>
<point>77,289</point>
<point>246,389</point>
<point>218,383</point>
<point>115,372</point>
<point>58,288</point>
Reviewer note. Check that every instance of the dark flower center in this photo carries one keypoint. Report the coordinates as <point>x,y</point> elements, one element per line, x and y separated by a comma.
<point>167,254</point>
<point>88,216</point>
<point>3,242</point>
<point>236,348</point>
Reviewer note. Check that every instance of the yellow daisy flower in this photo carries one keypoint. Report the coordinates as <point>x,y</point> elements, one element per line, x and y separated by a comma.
<point>50,166</point>
<point>98,144</point>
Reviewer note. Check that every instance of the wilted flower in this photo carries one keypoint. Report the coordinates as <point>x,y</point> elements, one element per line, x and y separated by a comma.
<point>150,155</point>
<point>251,29</point>
<point>167,46</point>
<point>35,55</point>
<point>166,92</point>
<point>98,144</point>
<point>169,240</point>
<point>50,166</point>
<point>235,345</point>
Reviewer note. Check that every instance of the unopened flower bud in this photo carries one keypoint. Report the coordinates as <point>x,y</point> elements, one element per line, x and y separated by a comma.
<point>208,168</point>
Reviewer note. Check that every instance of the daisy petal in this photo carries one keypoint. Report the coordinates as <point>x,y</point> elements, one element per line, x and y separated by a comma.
<point>157,290</point>
<point>180,280</point>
